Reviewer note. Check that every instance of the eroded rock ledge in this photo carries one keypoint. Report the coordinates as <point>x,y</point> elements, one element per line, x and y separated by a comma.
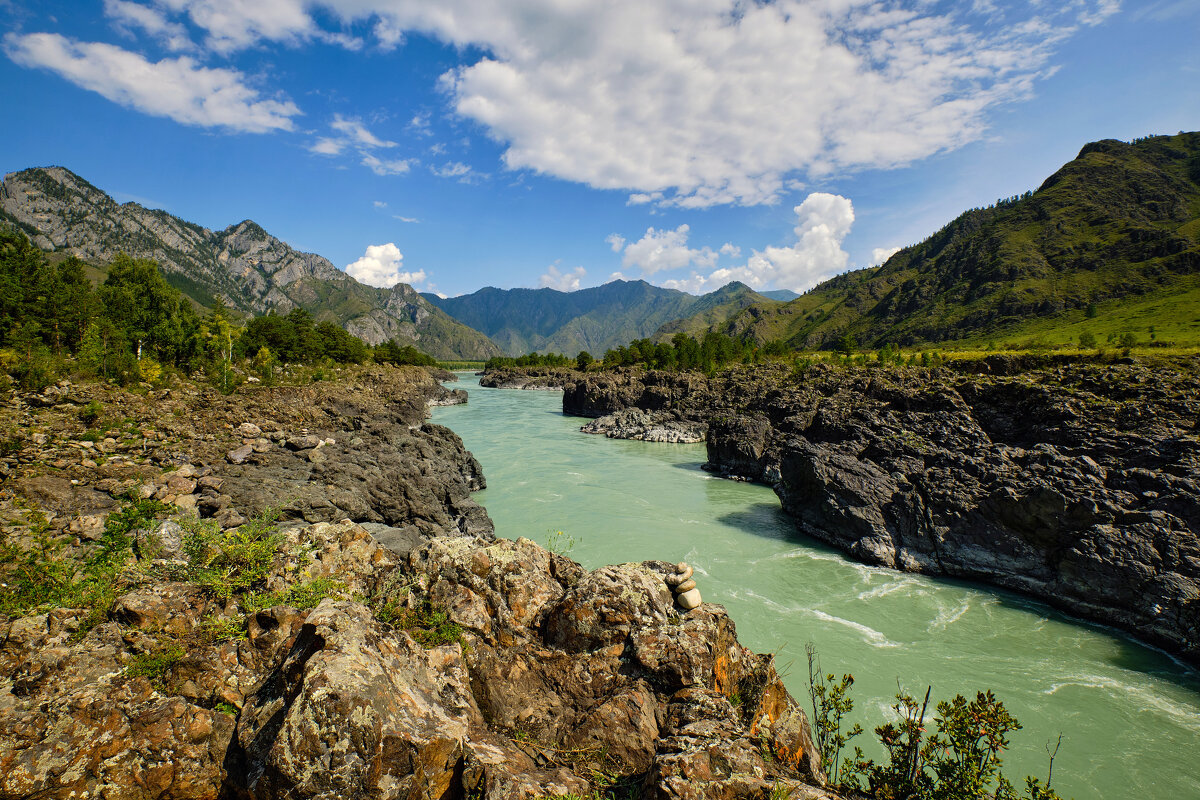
<point>1072,482</point>
<point>559,674</point>
<point>547,378</point>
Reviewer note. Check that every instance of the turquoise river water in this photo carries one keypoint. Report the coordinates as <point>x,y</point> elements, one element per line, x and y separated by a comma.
<point>1129,715</point>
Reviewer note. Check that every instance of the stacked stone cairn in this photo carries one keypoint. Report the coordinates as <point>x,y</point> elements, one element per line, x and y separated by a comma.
<point>681,583</point>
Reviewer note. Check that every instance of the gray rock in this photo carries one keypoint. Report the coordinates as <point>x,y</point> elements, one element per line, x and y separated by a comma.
<point>240,454</point>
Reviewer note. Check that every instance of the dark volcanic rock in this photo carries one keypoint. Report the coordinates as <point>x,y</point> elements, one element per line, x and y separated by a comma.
<point>1073,482</point>
<point>549,378</point>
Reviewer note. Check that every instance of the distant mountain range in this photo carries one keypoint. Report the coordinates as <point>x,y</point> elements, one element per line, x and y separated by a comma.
<point>1109,242</point>
<point>245,266</point>
<point>596,319</point>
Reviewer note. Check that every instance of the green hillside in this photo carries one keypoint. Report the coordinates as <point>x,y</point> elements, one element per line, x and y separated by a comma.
<point>714,308</point>
<point>1109,243</point>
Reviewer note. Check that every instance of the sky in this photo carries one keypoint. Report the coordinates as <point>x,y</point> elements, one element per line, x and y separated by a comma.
<point>565,143</point>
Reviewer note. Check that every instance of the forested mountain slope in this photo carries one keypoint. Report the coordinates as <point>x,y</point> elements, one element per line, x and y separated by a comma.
<point>1113,234</point>
<point>249,269</point>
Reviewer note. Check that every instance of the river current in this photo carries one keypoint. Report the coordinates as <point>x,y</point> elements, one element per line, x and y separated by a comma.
<point>1129,715</point>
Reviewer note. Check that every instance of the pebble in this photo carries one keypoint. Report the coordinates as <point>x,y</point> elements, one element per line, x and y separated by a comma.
<point>689,599</point>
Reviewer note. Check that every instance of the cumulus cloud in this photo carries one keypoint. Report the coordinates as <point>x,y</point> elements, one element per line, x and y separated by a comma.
<point>822,224</point>
<point>616,241</point>
<point>882,254</point>
<point>664,250</point>
<point>563,281</point>
<point>127,16</point>
<point>700,102</point>
<point>176,88</point>
<point>236,24</point>
<point>382,266</point>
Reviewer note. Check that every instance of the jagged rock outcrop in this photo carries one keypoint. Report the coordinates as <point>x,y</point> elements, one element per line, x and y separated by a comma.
<point>1072,482</point>
<point>549,378</point>
<point>648,426</point>
<point>245,266</point>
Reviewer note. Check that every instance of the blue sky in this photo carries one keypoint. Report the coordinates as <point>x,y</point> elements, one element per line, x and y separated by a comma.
<point>459,144</point>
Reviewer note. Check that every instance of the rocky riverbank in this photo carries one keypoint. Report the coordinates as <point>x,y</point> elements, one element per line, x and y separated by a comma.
<point>376,640</point>
<point>1073,482</point>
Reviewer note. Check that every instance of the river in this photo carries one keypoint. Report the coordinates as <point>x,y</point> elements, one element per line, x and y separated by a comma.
<point>1129,715</point>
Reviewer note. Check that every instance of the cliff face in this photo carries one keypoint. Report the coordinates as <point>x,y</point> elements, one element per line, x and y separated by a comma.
<point>1073,483</point>
<point>392,648</point>
<point>243,265</point>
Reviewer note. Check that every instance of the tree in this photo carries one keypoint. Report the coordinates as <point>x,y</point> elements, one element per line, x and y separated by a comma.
<point>583,360</point>
<point>149,311</point>
<point>219,335</point>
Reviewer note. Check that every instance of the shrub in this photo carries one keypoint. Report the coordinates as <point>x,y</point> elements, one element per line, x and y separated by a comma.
<point>227,563</point>
<point>302,596</point>
<point>91,412</point>
<point>961,761</point>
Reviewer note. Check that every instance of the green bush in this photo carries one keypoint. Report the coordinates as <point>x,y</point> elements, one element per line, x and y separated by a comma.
<point>232,562</point>
<point>302,596</point>
<point>430,626</point>
<point>960,761</point>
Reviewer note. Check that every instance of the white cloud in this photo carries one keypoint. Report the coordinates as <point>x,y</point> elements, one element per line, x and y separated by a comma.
<point>616,241</point>
<point>381,266</point>
<point>176,88</point>
<point>665,250</point>
<point>237,24</point>
<point>730,249</point>
<point>563,281</point>
<point>356,133</point>
<point>380,166</point>
<point>412,220</point>
<point>127,15</point>
<point>420,126</point>
<point>700,102</point>
<point>327,146</point>
<point>716,101</point>
<point>379,203</point>
<point>822,223</point>
<point>882,254</point>
<point>456,169</point>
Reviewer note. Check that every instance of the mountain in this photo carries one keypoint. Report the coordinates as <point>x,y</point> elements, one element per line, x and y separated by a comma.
<point>782,295</point>
<point>1109,242</point>
<point>596,319</point>
<point>714,308</point>
<point>243,265</point>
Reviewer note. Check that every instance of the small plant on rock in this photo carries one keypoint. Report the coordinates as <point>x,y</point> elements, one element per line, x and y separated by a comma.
<point>231,562</point>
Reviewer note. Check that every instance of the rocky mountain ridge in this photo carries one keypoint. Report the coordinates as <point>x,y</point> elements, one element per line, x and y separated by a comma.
<point>243,265</point>
<point>594,319</point>
<point>539,678</point>
<point>1071,482</point>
